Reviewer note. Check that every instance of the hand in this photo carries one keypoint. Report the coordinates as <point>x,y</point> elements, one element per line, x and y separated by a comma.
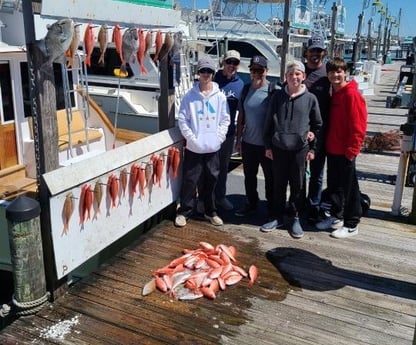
<point>310,156</point>
<point>310,136</point>
<point>269,154</point>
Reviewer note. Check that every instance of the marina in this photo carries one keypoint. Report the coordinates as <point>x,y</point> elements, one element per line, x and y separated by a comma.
<point>317,290</point>
<point>90,175</point>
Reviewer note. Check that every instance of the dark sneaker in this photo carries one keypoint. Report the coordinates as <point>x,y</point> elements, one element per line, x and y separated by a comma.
<point>330,223</point>
<point>344,232</point>
<point>246,210</point>
<point>313,215</point>
<point>272,225</point>
<point>296,230</point>
<point>225,204</point>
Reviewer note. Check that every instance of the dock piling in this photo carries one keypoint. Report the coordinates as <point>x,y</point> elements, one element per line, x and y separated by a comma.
<point>27,255</point>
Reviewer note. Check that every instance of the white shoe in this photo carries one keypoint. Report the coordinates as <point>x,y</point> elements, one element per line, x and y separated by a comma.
<point>344,232</point>
<point>225,204</point>
<point>215,220</point>
<point>330,223</point>
<point>180,220</point>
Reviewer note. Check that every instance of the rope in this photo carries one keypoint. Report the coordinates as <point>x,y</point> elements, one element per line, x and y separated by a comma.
<point>5,310</point>
<point>31,307</point>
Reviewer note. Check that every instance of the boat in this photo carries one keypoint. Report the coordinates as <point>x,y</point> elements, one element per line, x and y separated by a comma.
<point>94,145</point>
<point>224,30</point>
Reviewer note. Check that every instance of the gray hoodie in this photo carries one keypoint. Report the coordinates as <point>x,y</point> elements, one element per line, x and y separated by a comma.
<point>290,118</point>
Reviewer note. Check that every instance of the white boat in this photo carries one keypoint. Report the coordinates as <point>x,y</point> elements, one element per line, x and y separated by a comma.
<point>248,36</point>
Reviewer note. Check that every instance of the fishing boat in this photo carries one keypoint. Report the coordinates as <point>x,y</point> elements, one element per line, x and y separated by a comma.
<point>224,29</point>
<point>98,143</point>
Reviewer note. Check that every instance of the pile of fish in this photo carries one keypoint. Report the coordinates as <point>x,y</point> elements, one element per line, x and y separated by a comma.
<point>200,272</point>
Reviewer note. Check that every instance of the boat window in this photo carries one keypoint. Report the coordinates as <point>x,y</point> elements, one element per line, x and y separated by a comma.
<point>24,75</point>
<point>247,50</point>
<point>111,61</point>
<point>6,92</point>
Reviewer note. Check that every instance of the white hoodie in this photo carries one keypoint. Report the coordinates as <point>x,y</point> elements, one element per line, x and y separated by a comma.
<point>204,120</point>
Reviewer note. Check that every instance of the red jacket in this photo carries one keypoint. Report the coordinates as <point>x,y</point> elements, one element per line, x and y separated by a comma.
<point>347,122</point>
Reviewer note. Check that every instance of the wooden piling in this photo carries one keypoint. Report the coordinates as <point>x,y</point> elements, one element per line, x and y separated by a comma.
<point>26,254</point>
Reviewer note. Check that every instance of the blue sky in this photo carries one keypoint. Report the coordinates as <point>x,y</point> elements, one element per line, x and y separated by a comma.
<point>354,7</point>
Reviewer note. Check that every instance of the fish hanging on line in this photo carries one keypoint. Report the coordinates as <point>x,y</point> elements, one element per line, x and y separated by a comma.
<point>98,196</point>
<point>117,40</point>
<point>129,47</point>
<point>67,212</point>
<point>57,41</point>
<point>89,41</point>
<point>141,52</point>
<point>73,47</point>
<point>103,42</point>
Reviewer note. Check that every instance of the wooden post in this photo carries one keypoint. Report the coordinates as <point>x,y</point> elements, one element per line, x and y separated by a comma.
<point>167,95</point>
<point>334,9</point>
<point>42,88</point>
<point>285,41</point>
<point>27,255</point>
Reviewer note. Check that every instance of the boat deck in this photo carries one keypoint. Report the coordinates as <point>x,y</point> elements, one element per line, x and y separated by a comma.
<point>315,291</point>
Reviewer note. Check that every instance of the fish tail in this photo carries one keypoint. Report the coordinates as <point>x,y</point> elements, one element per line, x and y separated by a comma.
<point>101,59</point>
<point>143,69</point>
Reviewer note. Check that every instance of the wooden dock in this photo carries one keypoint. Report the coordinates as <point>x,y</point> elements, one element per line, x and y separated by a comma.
<point>313,291</point>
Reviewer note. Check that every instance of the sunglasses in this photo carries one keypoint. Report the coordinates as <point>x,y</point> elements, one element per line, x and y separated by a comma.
<point>206,70</point>
<point>232,62</point>
<point>257,70</point>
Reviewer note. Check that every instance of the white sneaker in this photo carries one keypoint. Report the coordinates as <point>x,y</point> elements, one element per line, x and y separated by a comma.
<point>344,232</point>
<point>225,204</point>
<point>215,220</point>
<point>180,220</point>
<point>330,223</point>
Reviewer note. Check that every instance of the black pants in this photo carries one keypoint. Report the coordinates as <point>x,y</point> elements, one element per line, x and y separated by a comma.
<point>253,157</point>
<point>344,190</point>
<point>289,168</point>
<point>196,165</point>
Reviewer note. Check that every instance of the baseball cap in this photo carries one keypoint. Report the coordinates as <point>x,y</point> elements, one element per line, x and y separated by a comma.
<point>316,42</point>
<point>206,62</point>
<point>232,54</point>
<point>295,65</point>
<point>258,60</point>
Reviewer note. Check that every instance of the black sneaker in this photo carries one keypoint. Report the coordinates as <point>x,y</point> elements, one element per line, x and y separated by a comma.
<point>246,210</point>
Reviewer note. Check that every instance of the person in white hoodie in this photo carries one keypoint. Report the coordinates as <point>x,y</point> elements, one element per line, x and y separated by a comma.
<point>203,120</point>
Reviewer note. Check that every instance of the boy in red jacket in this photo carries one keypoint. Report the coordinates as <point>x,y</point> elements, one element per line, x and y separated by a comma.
<point>346,132</point>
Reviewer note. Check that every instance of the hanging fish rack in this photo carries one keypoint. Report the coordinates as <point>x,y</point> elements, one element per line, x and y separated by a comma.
<point>78,219</point>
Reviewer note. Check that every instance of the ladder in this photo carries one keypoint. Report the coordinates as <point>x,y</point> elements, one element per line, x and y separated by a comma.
<point>82,89</point>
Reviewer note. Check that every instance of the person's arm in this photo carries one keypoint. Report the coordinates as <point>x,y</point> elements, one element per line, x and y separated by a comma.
<point>240,127</point>
<point>358,126</point>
